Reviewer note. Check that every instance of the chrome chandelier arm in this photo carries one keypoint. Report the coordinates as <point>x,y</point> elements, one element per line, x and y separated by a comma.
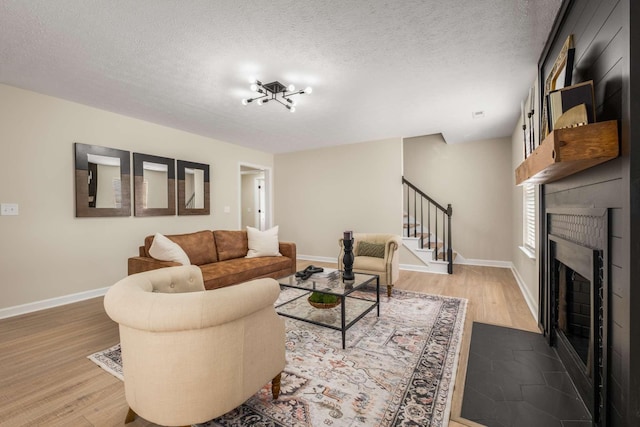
<point>270,91</point>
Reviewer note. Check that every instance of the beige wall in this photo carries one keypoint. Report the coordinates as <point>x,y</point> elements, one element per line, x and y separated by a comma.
<point>476,178</point>
<point>46,252</point>
<point>321,193</point>
<point>526,268</point>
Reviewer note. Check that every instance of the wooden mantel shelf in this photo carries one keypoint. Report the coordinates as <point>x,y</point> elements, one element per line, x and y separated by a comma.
<point>567,151</point>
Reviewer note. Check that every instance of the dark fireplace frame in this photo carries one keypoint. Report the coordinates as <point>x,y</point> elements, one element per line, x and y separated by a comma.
<point>579,239</point>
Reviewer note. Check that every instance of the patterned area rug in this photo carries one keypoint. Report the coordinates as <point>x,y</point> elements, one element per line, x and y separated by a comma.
<point>397,370</point>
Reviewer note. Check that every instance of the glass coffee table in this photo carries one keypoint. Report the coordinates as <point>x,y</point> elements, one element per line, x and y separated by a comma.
<point>350,309</point>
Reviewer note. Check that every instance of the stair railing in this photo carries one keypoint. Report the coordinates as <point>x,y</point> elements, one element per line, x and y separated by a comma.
<point>433,228</point>
<point>191,203</point>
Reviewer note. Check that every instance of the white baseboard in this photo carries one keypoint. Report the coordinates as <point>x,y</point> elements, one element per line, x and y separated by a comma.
<point>421,268</point>
<point>412,267</point>
<point>485,263</point>
<point>50,303</point>
<point>81,296</point>
<point>317,258</point>
<point>533,307</point>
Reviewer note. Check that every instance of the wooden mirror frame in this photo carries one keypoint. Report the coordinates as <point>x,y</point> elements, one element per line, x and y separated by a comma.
<point>138,185</point>
<point>82,178</point>
<point>182,209</point>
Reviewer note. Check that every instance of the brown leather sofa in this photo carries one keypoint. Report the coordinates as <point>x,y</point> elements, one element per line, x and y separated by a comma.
<point>220,254</point>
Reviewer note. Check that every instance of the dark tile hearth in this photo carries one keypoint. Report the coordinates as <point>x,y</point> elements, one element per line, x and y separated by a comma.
<point>514,379</point>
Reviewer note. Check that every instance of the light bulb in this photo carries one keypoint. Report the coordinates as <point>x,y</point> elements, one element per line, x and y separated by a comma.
<point>244,102</point>
<point>259,102</point>
<point>254,87</point>
<point>292,109</point>
<point>291,88</point>
<point>308,90</point>
<point>252,80</point>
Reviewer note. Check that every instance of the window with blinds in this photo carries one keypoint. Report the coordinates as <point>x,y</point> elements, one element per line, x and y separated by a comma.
<point>529,216</point>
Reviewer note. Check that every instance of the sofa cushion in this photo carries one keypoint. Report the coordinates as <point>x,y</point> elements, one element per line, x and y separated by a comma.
<point>231,244</point>
<point>167,250</point>
<point>262,243</point>
<point>225,273</point>
<point>371,249</point>
<point>199,246</point>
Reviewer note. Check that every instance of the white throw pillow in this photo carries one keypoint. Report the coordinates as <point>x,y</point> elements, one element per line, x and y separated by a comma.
<point>263,243</point>
<point>164,249</point>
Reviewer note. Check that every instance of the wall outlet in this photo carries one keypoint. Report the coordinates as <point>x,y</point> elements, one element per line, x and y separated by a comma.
<point>227,209</point>
<point>9,209</point>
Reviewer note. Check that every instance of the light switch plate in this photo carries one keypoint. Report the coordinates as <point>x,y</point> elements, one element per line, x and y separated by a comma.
<point>9,209</point>
<point>227,209</point>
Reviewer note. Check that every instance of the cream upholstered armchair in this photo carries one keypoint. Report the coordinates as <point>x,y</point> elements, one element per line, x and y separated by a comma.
<point>375,254</point>
<point>191,355</point>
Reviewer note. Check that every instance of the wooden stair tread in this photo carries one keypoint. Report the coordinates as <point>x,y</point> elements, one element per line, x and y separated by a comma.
<point>411,225</point>
<point>441,256</point>
<point>434,245</point>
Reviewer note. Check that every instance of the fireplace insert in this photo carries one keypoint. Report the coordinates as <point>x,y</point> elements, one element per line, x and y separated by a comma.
<point>577,302</point>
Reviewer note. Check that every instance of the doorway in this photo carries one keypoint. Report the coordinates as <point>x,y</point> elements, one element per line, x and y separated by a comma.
<point>255,197</point>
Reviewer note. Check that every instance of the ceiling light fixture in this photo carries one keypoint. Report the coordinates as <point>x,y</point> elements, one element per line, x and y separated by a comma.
<point>270,92</point>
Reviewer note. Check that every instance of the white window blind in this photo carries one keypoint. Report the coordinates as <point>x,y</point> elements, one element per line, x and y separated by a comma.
<point>529,216</point>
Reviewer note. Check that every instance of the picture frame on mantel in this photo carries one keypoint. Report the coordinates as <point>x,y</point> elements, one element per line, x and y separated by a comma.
<point>193,188</point>
<point>561,75</point>
<point>102,181</point>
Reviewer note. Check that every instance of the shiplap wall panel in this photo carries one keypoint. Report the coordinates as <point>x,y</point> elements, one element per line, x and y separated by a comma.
<point>581,24</point>
<point>601,45</point>
<point>604,194</point>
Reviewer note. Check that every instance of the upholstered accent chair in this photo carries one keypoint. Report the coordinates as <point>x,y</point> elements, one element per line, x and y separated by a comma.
<point>375,254</point>
<point>190,355</point>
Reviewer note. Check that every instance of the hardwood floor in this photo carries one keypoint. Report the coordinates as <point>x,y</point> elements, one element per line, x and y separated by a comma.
<point>47,380</point>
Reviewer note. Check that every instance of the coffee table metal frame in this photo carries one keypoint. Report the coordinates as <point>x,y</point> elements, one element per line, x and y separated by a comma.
<point>337,287</point>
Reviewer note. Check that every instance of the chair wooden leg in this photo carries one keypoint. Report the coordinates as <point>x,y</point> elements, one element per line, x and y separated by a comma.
<point>389,287</point>
<point>275,386</point>
<point>130,416</point>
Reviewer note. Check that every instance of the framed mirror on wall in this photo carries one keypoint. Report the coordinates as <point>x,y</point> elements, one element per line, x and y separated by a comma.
<point>193,188</point>
<point>154,185</point>
<point>103,183</point>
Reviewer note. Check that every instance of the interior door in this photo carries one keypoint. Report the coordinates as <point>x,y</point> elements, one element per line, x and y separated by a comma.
<point>260,204</point>
<point>254,201</point>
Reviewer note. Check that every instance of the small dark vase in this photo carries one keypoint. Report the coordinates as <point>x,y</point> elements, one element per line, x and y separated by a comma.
<point>347,261</point>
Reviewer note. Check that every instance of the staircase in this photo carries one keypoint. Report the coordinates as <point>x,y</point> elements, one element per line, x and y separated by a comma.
<point>427,229</point>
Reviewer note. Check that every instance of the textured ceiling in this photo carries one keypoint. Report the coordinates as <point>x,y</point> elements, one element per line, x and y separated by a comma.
<point>379,69</point>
